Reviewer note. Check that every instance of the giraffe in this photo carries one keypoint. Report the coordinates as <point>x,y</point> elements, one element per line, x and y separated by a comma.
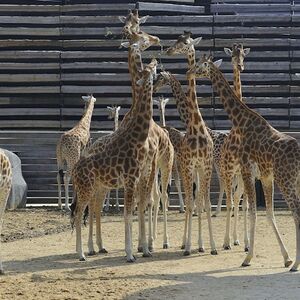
<point>175,136</point>
<point>276,154</point>
<point>159,137</point>
<point>144,41</point>
<point>70,146</point>
<point>5,186</point>
<point>229,157</point>
<point>113,113</point>
<point>121,164</point>
<point>194,156</point>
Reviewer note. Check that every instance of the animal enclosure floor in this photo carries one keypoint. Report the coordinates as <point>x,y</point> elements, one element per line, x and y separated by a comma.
<point>42,264</point>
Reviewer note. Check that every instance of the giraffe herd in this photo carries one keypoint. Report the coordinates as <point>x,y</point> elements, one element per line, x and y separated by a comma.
<point>138,150</point>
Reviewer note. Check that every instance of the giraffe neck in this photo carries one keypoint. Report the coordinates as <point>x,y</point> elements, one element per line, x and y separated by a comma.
<point>116,120</point>
<point>237,82</point>
<point>134,65</point>
<point>187,106</point>
<point>162,117</point>
<point>239,114</point>
<point>192,82</point>
<point>144,111</point>
<point>85,122</point>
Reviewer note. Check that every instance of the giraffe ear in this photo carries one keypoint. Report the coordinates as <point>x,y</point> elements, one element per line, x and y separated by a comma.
<point>228,51</point>
<point>155,102</point>
<point>85,98</point>
<point>125,44</point>
<point>122,19</point>
<point>109,108</point>
<point>218,63</point>
<point>143,19</point>
<point>118,108</point>
<point>166,100</point>
<point>197,41</point>
<point>246,51</point>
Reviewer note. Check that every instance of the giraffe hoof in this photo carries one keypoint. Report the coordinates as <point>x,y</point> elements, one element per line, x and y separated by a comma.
<point>147,254</point>
<point>181,211</point>
<point>288,263</point>
<point>236,243</point>
<point>182,247</point>
<point>151,249</point>
<point>2,272</point>
<point>140,249</point>
<point>214,216</point>
<point>186,253</point>
<point>227,247</point>
<point>91,253</point>
<point>82,259</point>
<point>246,264</point>
<point>166,246</point>
<point>195,215</point>
<point>131,260</point>
<point>201,250</point>
<point>103,250</point>
<point>246,249</point>
<point>214,252</point>
<point>293,270</point>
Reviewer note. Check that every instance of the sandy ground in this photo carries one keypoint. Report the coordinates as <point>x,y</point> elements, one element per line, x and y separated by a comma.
<point>41,263</point>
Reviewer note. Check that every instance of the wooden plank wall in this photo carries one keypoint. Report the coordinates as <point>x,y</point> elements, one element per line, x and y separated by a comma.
<point>53,51</point>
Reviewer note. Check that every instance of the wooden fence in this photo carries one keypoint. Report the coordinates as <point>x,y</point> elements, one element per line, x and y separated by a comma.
<point>53,51</point>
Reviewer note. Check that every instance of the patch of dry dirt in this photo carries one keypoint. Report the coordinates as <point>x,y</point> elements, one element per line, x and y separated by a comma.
<point>46,267</point>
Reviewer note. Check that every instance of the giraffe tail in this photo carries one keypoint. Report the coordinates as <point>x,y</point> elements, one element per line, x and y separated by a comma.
<point>73,210</point>
<point>61,174</point>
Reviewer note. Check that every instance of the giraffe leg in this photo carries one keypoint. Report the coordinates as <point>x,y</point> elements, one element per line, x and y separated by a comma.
<point>268,187</point>
<point>78,218</point>
<point>59,177</point>
<point>144,244</point>
<point>245,213</point>
<point>296,264</point>
<point>98,204</point>
<point>107,202</point>
<point>237,198</point>
<point>117,201</point>
<point>128,209</point>
<point>221,194</point>
<point>3,200</point>
<point>178,186</point>
<point>228,191</point>
<point>67,178</point>
<point>150,229</point>
<point>156,198</point>
<point>249,184</point>
<point>91,225</point>
<point>187,175</point>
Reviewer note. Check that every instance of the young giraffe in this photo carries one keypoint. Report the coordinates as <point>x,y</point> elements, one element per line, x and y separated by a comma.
<point>121,164</point>
<point>194,155</point>
<point>175,136</point>
<point>276,154</point>
<point>113,113</point>
<point>229,156</point>
<point>185,45</point>
<point>5,186</point>
<point>70,146</point>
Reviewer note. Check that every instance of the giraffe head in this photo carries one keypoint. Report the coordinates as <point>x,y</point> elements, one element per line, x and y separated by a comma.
<point>204,68</point>
<point>143,39</point>
<point>149,72</point>
<point>161,103</point>
<point>164,78</point>
<point>88,100</point>
<point>113,111</point>
<point>184,44</point>
<point>237,55</point>
<point>132,22</point>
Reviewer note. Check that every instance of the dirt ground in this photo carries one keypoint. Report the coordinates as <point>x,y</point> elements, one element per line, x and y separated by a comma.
<point>38,252</point>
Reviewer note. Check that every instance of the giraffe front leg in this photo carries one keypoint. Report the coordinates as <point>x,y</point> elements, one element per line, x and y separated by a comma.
<point>67,178</point>
<point>91,225</point>
<point>237,197</point>
<point>178,186</point>
<point>78,218</point>
<point>249,185</point>
<point>245,213</point>
<point>228,188</point>
<point>128,209</point>
<point>295,267</point>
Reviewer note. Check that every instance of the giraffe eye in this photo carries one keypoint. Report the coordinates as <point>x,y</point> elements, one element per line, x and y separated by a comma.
<point>205,64</point>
